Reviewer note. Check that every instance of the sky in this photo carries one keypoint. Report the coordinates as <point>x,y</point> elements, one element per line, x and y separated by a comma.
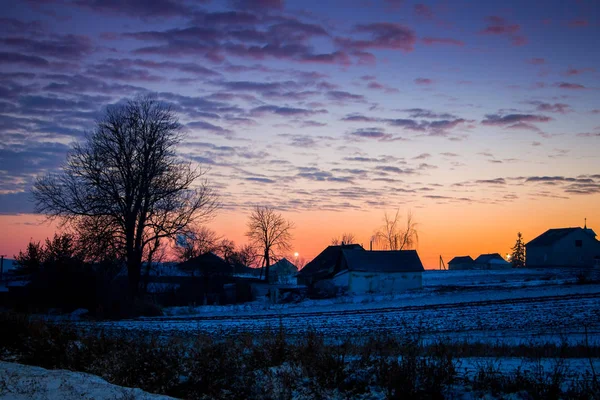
<point>480,118</point>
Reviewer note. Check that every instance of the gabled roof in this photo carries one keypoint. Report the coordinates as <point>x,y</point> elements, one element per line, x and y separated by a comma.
<point>461,260</point>
<point>284,265</point>
<point>327,259</point>
<point>383,261</point>
<point>551,236</point>
<point>486,258</point>
<point>207,263</point>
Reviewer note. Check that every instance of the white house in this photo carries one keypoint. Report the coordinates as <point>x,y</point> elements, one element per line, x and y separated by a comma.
<point>564,247</point>
<point>379,271</point>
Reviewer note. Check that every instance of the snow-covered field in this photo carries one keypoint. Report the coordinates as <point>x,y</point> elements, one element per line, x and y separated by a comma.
<point>514,306</point>
<point>24,382</point>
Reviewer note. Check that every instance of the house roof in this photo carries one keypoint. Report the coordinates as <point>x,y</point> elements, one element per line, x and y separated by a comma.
<point>284,265</point>
<point>383,261</point>
<point>486,258</point>
<point>551,236</point>
<point>327,259</point>
<point>461,260</point>
<point>207,263</point>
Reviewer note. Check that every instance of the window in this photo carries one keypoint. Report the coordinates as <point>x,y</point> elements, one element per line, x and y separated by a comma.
<point>578,243</point>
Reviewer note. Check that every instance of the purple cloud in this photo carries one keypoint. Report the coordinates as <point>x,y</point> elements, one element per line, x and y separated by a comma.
<point>383,35</point>
<point>139,8</point>
<point>432,41</point>
<point>571,86</point>
<point>424,11</point>
<point>23,59</point>
<point>502,120</point>
<point>423,81</point>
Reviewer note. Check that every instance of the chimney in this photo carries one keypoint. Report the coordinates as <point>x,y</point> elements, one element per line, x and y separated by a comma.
<point>371,246</point>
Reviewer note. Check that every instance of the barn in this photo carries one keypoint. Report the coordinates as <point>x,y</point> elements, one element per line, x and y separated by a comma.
<point>461,263</point>
<point>379,271</point>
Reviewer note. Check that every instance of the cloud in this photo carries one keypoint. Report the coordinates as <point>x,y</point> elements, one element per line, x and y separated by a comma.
<point>58,46</point>
<point>423,81</point>
<point>259,4</point>
<point>260,180</point>
<point>422,156</point>
<point>503,120</point>
<point>139,8</point>
<point>445,41</point>
<point>537,61</point>
<point>23,59</point>
<point>383,35</point>
<point>378,86</point>
<point>559,108</point>
<point>501,27</point>
<point>339,95</point>
<point>285,111</point>
<point>423,113</point>
<point>578,23</point>
<point>497,181</point>
<point>206,126</point>
<point>360,118</point>
<point>370,133</point>
<point>316,174</point>
<point>394,170</point>
<point>570,86</point>
<point>574,71</point>
<point>423,11</point>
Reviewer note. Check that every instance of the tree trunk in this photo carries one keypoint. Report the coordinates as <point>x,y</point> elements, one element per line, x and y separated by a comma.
<point>267,262</point>
<point>134,269</point>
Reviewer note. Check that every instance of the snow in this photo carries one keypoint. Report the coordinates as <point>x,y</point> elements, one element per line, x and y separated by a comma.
<point>23,382</point>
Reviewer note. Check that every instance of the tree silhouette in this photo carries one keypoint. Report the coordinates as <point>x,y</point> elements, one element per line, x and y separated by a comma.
<point>518,255</point>
<point>269,232</point>
<point>127,181</point>
<point>392,236</point>
<point>346,238</point>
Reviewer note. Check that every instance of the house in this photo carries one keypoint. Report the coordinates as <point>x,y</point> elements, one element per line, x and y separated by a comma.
<point>491,261</point>
<point>207,264</point>
<point>379,271</point>
<point>356,270</point>
<point>323,266</point>
<point>461,263</point>
<point>283,271</point>
<point>564,247</point>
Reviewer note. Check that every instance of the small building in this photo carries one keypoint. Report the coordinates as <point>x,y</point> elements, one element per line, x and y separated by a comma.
<point>461,263</point>
<point>379,271</point>
<point>323,266</point>
<point>564,247</point>
<point>283,271</point>
<point>491,261</point>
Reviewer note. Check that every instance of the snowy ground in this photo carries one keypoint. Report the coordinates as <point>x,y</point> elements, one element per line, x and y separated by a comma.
<point>23,382</point>
<point>514,306</point>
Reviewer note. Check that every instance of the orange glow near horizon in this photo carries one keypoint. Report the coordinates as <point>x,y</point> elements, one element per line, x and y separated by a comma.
<point>446,230</point>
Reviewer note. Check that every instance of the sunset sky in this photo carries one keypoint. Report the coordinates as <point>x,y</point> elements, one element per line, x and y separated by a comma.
<point>480,117</point>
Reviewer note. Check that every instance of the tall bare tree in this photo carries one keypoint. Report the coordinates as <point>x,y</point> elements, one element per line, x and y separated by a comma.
<point>346,238</point>
<point>195,242</point>
<point>393,236</point>
<point>127,178</point>
<point>270,232</point>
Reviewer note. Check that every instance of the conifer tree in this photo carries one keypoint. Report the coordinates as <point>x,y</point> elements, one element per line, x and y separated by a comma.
<point>518,254</point>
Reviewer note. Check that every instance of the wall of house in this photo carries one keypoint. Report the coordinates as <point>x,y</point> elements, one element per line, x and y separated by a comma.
<point>461,266</point>
<point>383,282</point>
<point>342,279</point>
<point>564,253</point>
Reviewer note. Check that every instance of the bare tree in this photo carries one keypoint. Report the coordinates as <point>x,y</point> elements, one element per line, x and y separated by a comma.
<point>127,177</point>
<point>347,238</point>
<point>269,232</point>
<point>195,242</point>
<point>392,236</point>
